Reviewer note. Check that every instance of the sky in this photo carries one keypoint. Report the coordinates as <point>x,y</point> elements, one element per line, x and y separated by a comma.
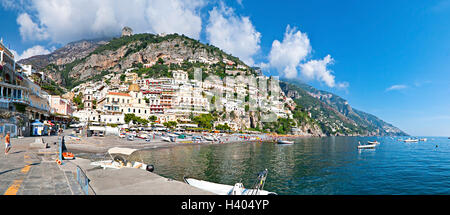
<point>387,58</point>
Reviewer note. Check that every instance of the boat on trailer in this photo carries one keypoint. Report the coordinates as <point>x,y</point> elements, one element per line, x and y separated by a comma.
<point>237,189</point>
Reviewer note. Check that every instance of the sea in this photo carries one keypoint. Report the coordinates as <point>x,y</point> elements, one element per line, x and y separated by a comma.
<point>315,166</point>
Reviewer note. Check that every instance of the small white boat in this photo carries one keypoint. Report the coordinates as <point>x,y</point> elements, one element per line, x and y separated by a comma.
<point>423,139</point>
<point>208,138</point>
<point>367,146</point>
<point>237,189</point>
<point>370,146</point>
<point>410,140</point>
<point>118,160</point>
<point>285,142</point>
<point>373,142</point>
<point>166,139</point>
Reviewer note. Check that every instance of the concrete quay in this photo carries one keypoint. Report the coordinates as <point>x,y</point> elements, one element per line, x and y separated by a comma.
<point>33,171</point>
<point>25,171</point>
<point>130,181</point>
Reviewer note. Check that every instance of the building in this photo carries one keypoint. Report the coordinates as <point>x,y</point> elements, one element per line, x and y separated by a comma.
<point>60,106</point>
<point>21,100</point>
<point>127,31</point>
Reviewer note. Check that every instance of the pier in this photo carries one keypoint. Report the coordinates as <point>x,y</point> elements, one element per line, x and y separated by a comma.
<point>32,170</point>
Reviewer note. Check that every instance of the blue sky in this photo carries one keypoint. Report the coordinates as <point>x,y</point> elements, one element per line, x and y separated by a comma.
<point>388,58</point>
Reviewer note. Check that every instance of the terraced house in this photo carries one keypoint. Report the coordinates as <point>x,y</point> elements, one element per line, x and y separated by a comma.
<point>21,101</point>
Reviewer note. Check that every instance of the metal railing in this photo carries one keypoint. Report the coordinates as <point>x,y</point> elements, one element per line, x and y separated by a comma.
<point>83,180</point>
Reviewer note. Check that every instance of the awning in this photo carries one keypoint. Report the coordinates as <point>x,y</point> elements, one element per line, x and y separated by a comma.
<point>124,151</point>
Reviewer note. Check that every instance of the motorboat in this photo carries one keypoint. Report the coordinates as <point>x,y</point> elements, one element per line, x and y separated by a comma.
<point>237,189</point>
<point>369,146</point>
<point>120,159</point>
<point>423,139</point>
<point>409,140</point>
<point>285,142</point>
<point>373,142</point>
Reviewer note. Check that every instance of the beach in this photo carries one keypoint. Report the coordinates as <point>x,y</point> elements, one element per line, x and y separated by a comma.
<point>96,144</point>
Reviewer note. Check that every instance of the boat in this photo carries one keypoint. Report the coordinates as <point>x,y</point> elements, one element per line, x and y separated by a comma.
<point>208,138</point>
<point>423,139</point>
<point>119,161</point>
<point>237,189</point>
<point>373,142</point>
<point>142,136</point>
<point>68,156</point>
<point>168,139</point>
<point>370,146</point>
<point>285,142</point>
<point>130,137</point>
<point>409,140</point>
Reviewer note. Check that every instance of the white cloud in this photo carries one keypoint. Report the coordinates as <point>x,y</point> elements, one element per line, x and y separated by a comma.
<point>70,20</point>
<point>317,70</point>
<point>232,33</point>
<point>285,56</point>
<point>33,51</point>
<point>290,55</point>
<point>30,30</point>
<point>396,87</point>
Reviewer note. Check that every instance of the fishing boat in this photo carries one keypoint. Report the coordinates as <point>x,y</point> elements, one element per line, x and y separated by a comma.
<point>370,146</point>
<point>120,159</point>
<point>409,140</point>
<point>237,189</point>
<point>284,142</point>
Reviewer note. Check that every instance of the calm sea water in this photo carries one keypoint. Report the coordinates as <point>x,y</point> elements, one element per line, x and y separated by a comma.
<point>331,165</point>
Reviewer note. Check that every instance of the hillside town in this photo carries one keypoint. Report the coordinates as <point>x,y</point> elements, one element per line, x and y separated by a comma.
<point>123,100</point>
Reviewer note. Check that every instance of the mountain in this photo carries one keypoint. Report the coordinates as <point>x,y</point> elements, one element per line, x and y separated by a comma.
<point>317,112</point>
<point>334,114</point>
<point>83,60</point>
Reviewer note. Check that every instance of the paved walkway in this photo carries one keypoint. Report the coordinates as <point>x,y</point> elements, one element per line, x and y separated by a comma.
<point>24,171</point>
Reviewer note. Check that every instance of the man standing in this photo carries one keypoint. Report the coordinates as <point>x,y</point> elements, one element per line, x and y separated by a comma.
<point>7,143</point>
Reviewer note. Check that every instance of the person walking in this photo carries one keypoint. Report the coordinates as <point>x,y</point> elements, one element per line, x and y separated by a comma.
<point>7,143</point>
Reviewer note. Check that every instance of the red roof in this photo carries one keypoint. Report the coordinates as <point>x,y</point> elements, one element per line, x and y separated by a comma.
<point>118,94</point>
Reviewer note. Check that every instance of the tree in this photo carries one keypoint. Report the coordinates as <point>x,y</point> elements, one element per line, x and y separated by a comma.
<point>152,118</point>
<point>170,124</point>
<point>204,121</point>
<point>224,127</point>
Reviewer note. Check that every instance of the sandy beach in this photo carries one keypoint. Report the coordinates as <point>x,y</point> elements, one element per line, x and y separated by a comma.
<point>96,144</point>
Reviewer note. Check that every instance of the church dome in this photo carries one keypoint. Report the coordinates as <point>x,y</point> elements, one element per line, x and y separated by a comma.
<point>134,88</point>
